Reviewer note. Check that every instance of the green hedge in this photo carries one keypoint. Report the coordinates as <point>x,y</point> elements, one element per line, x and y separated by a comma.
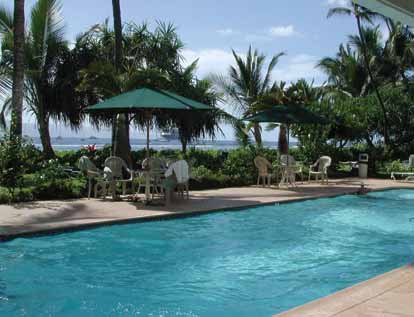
<point>210,168</point>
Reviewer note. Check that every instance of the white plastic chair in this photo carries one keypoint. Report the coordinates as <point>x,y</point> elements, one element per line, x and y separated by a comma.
<point>156,169</point>
<point>94,175</point>
<point>264,175</point>
<point>181,170</point>
<point>320,168</point>
<point>177,176</point>
<point>114,167</point>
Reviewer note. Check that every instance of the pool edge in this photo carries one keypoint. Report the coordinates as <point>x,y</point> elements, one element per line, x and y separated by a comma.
<point>175,215</point>
<point>356,298</point>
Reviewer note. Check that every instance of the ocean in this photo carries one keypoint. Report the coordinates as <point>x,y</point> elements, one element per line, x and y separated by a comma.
<point>69,143</point>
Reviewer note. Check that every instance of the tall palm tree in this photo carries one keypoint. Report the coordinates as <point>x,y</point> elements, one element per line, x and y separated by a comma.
<point>193,125</point>
<point>346,72</point>
<point>298,93</point>
<point>399,52</point>
<point>246,82</point>
<point>18,70</point>
<point>363,15</point>
<point>120,129</point>
<point>118,33</point>
<point>44,50</point>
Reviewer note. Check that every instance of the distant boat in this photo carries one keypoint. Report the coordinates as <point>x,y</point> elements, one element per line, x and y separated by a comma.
<point>59,138</point>
<point>170,135</point>
<point>93,137</point>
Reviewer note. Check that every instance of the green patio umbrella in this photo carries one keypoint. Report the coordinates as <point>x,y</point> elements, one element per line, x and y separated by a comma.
<point>147,100</point>
<point>288,115</point>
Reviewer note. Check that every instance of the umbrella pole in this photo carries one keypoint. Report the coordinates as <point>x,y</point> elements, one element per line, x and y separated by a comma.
<point>288,139</point>
<point>147,172</point>
<point>149,117</point>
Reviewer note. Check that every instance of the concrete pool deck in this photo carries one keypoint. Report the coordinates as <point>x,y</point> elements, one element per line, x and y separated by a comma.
<point>387,295</point>
<point>54,216</point>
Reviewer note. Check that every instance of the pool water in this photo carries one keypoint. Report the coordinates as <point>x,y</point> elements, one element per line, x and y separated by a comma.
<point>254,262</point>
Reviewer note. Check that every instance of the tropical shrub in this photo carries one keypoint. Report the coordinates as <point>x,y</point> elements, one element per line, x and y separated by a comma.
<point>12,167</point>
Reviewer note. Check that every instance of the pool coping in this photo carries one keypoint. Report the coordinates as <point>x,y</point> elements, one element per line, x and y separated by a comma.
<point>175,215</point>
<point>361,299</point>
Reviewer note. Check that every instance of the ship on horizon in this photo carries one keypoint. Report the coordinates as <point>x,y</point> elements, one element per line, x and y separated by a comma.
<point>170,135</point>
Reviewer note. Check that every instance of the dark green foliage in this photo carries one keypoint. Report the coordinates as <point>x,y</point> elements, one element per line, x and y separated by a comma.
<point>12,167</point>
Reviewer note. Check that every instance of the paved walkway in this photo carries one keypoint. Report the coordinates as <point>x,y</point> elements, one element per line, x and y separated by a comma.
<point>387,295</point>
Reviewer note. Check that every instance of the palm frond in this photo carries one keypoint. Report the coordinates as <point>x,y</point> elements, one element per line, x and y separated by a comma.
<point>6,19</point>
<point>5,110</point>
<point>46,29</point>
<point>272,65</point>
<point>339,11</point>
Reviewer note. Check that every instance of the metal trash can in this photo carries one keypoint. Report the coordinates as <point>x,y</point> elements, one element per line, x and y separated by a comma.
<point>363,165</point>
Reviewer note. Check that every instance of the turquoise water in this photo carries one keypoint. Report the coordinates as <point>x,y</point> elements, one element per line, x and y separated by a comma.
<point>255,262</point>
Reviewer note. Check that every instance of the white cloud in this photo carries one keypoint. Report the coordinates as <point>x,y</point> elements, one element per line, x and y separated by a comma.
<point>297,67</point>
<point>226,32</point>
<point>283,31</point>
<point>217,61</point>
<point>257,38</point>
<point>337,3</point>
<point>209,60</point>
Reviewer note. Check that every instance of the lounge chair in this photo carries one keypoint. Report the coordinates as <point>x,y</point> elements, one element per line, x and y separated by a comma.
<point>94,175</point>
<point>115,167</point>
<point>264,175</point>
<point>409,175</point>
<point>320,168</point>
<point>410,163</point>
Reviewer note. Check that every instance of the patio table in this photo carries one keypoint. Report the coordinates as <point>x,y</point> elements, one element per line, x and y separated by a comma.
<point>288,175</point>
<point>148,174</point>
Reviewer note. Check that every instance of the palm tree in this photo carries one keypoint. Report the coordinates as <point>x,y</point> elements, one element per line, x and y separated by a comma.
<point>50,68</point>
<point>44,48</point>
<point>118,33</point>
<point>150,59</point>
<point>364,15</point>
<point>120,129</point>
<point>18,70</point>
<point>346,72</point>
<point>193,125</point>
<point>399,52</point>
<point>246,82</point>
<point>298,93</point>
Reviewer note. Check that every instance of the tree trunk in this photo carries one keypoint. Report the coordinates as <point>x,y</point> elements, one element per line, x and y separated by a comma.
<point>118,33</point>
<point>282,142</point>
<point>43,126</point>
<point>18,70</point>
<point>122,146</point>
<point>184,144</point>
<point>257,134</point>
<point>374,84</point>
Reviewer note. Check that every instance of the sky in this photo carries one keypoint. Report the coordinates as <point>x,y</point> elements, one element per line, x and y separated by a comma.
<point>210,29</point>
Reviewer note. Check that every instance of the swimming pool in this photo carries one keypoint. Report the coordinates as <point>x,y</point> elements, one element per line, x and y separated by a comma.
<point>254,262</point>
